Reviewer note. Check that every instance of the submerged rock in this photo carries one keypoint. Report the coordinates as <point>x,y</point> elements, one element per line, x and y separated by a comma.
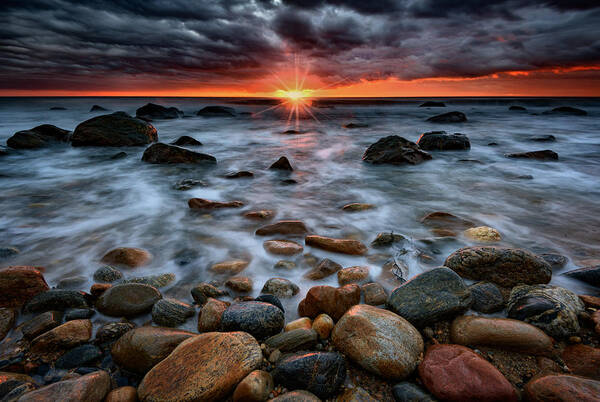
<point>446,220</point>
<point>157,281</point>
<point>98,108</point>
<point>456,373</point>
<point>503,266</point>
<point>187,184</point>
<point>500,333</point>
<point>186,140</point>
<point>38,137</point>
<point>432,104</point>
<point>545,155</point>
<point>379,341</point>
<point>107,274</point>
<point>395,150</point>
<point>357,274</point>
<point>114,130</point>
<point>543,138</point>
<point>206,367</point>
<point>239,174</point>
<point>128,300</point>
<point>283,247</point>
<point>240,284</point>
<point>350,126</point>
<point>230,267</point>
<point>556,261</point>
<point>287,227</point>
<point>201,203</point>
<point>263,214</point>
<point>431,296</point>
<point>18,284</point>
<point>282,164</point>
<point>142,348</point>
<point>259,319</point>
<point>551,308</point>
<point>153,111</point>
<point>589,275</point>
<point>517,108</point>
<point>441,141</point>
<point>127,256</point>
<point>321,373</point>
<point>567,110</point>
<point>387,239</point>
<point>216,111</point>
<point>160,153</point>
<point>357,207</point>
<point>450,117</point>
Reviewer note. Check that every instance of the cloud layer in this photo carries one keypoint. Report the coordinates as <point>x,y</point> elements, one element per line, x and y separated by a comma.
<point>126,44</point>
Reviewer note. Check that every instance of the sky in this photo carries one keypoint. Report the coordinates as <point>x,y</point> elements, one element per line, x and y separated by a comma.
<point>332,47</point>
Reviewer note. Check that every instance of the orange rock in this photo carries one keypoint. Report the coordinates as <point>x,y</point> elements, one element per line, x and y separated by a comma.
<point>209,318</point>
<point>200,203</point>
<point>127,256</point>
<point>582,360</point>
<point>263,214</point>
<point>344,246</point>
<point>91,387</point>
<point>122,394</point>
<point>590,301</point>
<point>564,388</point>
<point>65,336</point>
<point>283,228</point>
<point>283,247</point>
<point>206,367</point>
<point>329,300</point>
<point>18,284</point>
<point>98,288</point>
<point>353,275</point>
<point>256,387</point>
<point>230,267</point>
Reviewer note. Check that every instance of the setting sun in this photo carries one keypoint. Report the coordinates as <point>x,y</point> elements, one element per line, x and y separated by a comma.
<point>294,95</point>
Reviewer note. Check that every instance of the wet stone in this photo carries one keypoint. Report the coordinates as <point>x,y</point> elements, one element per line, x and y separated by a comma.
<point>56,300</point>
<point>386,239</point>
<point>107,274</point>
<point>271,299</point>
<point>487,298</point>
<point>127,300</point>
<point>280,287</point>
<point>78,356</point>
<point>589,275</point>
<point>7,320</point>
<point>259,319</point>
<point>203,291</point>
<point>409,392</point>
<point>240,284</point>
<point>171,313</point>
<point>556,261</point>
<point>41,323</point>
<point>374,294</point>
<point>78,314</point>
<point>325,268</point>
<point>295,339</point>
<point>157,281</point>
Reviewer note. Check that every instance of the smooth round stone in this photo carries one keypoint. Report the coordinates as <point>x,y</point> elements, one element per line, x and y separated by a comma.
<point>357,207</point>
<point>256,387</point>
<point>374,294</point>
<point>79,356</point>
<point>18,284</point>
<point>263,214</point>
<point>127,256</point>
<point>343,246</point>
<point>296,396</point>
<point>483,234</point>
<point>562,387</point>
<point>589,275</point>
<point>229,267</point>
<point>386,239</point>
<point>356,274</point>
<point>203,291</point>
<point>430,297</point>
<point>56,300</point>
<point>441,141</point>
<point>108,333</point>
<point>506,267</point>
<point>209,318</point>
<point>283,264</point>
<point>329,300</point>
<point>107,274</point>
<point>321,373</point>
<point>92,387</point>
<point>240,284</point>
<point>303,322</point>
<point>7,320</point>
<point>79,314</point>
<point>71,282</point>
<point>457,374</point>
<point>409,392</point>
<point>501,333</point>
<point>8,252</point>
<point>142,348</point>
<point>325,268</point>
<point>157,281</point>
<point>283,247</point>
<point>553,309</point>
<point>300,338</point>
<point>65,336</point>
<point>259,319</point>
<point>283,228</point>
<point>171,313</point>
<point>271,299</point>
<point>323,325</point>
<point>487,298</point>
<point>128,300</point>
<point>280,287</point>
<point>97,289</point>
<point>582,360</point>
<point>206,367</point>
<point>379,341</point>
<point>122,394</point>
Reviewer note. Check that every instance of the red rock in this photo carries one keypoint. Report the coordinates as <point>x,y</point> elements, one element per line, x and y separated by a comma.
<point>256,387</point>
<point>65,336</point>
<point>200,203</point>
<point>562,388</point>
<point>283,228</point>
<point>91,387</point>
<point>98,288</point>
<point>18,284</point>
<point>122,394</point>
<point>329,300</point>
<point>283,247</point>
<point>263,214</point>
<point>344,246</point>
<point>456,373</point>
<point>127,256</point>
<point>209,318</point>
<point>583,360</point>
<point>356,274</point>
<point>590,301</point>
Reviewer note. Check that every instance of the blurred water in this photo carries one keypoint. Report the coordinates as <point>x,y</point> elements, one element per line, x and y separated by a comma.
<point>65,207</point>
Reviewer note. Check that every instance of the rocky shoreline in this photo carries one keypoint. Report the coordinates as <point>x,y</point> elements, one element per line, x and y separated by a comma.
<point>485,326</point>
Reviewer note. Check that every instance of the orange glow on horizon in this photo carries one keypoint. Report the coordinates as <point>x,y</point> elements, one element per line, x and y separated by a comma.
<point>552,81</point>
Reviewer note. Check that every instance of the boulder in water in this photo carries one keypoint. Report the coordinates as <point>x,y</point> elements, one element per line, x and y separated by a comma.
<point>567,110</point>
<point>160,153</point>
<point>114,130</point>
<point>432,104</point>
<point>395,150</point>
<point>98,108</point>
<point>216,111</point>
<point>450,117</point>
<point>38,137</point>
<point>589,275</point>
<point>516,108</point>
<point>152,111</point>
<point>186,140</point>
<point>439,140</point>
<point>282,164</point>
<point>544,155</point>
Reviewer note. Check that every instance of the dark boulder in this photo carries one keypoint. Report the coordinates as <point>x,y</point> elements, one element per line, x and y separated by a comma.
<point>431,296</point>
<point>271,299</point>
<point>38,137</point>
<point>517,108</point>
<point>350,126</point>
<point>118,155</point>
<point>259,319</point>
<point>545,155</point>
<point>432,104</point>
<point>78,356</point>
<point>160,153</point>
<point>59,300</point>
<point>58,108</point>
<point>556,261</point>
<point>504,266</point>
<point>543,138</point>
<point>321,373</point>
<point>216,111</point>
<point>282,164</point>
<point>186,140</point>
<point>567,110</point>
<point>409,392</point>
<point>487,298</point>
<point>589,275</point>
<point>153,111</point>
<point>97,108</point>
<point>450,117</point>
<point>114,130</point>
<point>439,140</point>
<point>239,174</point>
<point>395,150</point>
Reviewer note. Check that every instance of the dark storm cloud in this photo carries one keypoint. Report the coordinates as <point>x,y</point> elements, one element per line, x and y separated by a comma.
<point>120,44</point>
